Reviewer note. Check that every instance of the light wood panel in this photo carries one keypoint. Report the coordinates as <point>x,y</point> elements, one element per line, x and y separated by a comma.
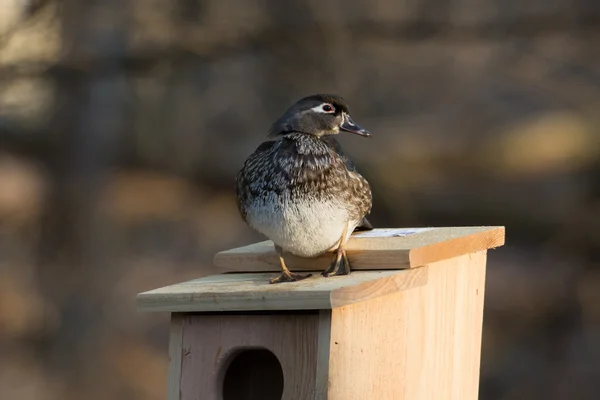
<point>323,354</point>
<point>210,341</point>
<point>246,292</point>
<point>390,248</point>
<point>418,344</point>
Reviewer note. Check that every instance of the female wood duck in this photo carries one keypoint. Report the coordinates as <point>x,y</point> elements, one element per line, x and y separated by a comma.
<point>300,190</point>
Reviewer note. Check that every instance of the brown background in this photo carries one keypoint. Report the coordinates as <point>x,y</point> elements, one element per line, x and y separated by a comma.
<point>123,123</point>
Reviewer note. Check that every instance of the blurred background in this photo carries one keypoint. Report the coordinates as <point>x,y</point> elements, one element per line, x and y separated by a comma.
<point>123,124</point>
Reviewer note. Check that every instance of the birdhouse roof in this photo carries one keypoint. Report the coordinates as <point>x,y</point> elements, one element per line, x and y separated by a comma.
<point>384,261</point>
<point>389,248</point>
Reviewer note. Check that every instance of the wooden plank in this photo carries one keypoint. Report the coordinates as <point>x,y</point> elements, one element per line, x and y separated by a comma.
<point>213,341</point>
<point>419,344</point>
<point>252,291</point>
<point>175,350</point>
<point>323,351</point>
<point>450,311</point>
<point>389,248</point>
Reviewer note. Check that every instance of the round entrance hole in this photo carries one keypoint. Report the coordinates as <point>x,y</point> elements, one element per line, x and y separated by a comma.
<point>253,374</point>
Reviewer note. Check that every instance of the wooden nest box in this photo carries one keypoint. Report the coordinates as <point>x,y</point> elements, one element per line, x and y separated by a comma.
<point>404,325</point>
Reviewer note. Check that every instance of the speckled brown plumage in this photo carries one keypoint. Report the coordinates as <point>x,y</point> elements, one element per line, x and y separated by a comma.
<point>300,189</point>
<point>303,166</point>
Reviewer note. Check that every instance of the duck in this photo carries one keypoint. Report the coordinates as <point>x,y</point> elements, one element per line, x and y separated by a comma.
<point>301,191</point>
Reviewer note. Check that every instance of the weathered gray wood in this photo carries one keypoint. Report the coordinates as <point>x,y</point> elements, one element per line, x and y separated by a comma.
<point>175,349</point>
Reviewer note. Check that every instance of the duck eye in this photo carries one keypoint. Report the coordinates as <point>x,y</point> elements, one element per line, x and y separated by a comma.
<point>327,108</point>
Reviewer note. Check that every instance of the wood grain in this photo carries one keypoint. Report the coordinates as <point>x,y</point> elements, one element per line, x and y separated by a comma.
<point>175,349</point>
<point>211,341</point>
<point>373,250</point>
<point>418,344</point>
<point>323,354</point>
<point>246,292</point>
<point>383,338</point>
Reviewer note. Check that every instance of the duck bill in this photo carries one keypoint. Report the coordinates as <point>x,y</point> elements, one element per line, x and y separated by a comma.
<point>350,126</point>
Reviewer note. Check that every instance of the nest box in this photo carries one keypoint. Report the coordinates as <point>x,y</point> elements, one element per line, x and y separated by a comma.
<point>404,325</point>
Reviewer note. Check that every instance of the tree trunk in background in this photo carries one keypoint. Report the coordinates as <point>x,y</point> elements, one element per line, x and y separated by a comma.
<point>88,117</point>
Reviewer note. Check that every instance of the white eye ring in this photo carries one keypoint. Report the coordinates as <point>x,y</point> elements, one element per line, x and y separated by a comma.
<point>328,108</point>
<point>324,108</point>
